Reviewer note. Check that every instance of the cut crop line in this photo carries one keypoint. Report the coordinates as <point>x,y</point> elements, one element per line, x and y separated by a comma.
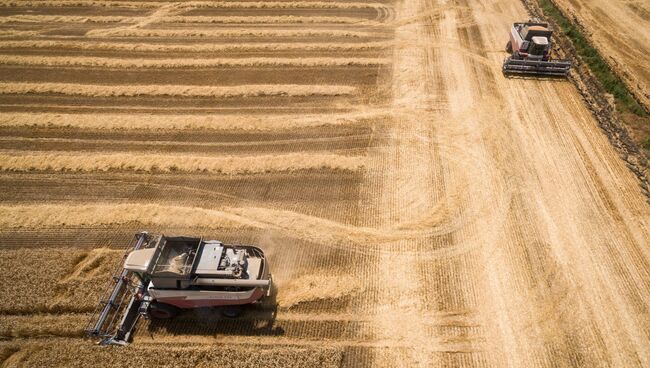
<point>183,63</point>
<point>88,162</point>
<point>465,348</point>
<point>280,19</point>
<point>90,90</point>
<point>197,4</point>
<point>162,122</point>
<point>208,47</point>
<point>243,32</point>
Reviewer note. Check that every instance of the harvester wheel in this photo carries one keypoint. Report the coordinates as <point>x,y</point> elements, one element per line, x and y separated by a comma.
<point>162,311</point>
<point>509,47</point>
<point>231,311</point>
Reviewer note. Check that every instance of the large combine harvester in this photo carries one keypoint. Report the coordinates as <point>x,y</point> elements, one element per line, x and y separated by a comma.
<point>530,47</point>
<point>163,275</point>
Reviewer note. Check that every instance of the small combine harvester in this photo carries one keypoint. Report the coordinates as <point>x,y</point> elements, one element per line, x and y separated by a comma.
<point>530,47</point>
<point>163,275</point>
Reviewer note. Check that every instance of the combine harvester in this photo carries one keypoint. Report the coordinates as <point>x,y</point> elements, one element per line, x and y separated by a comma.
<point>530,47</point>
<point>163,275</point>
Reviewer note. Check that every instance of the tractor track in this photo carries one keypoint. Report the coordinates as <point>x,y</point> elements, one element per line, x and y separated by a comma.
<point>594,97</point>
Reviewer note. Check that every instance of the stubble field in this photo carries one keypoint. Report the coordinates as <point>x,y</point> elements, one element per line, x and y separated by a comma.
<point>418,208</point>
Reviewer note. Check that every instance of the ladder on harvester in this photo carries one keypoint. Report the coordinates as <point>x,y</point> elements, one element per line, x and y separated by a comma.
<point>117,312</point>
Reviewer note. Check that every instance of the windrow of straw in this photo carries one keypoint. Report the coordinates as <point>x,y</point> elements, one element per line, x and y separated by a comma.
<point>250,90</point>
<point>83,162</point>
<point>85,61</point>
<point>280,19</point>
<point>26,18</point>
<point>196,4</point>
<point>163,122</point>
<point>34,216</point>
<point>204,47</point>
<point>243,32</point>
<point>17,33</point>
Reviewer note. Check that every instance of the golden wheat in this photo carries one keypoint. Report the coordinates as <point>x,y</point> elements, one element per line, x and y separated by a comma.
<point>66,161</point>
<point>54,279</point>
<point>186,63</point>
<point>161,122</point>
<point>76,353</point>
<point>42,325</point>
<point>207,47</point>
<point>90,90</point>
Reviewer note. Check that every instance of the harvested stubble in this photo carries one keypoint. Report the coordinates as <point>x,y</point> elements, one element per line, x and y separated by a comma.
<point>187,63</point>
<point>65,161</point>
<point>206,47</point>
<point>78,353</point>
<point>252,90</point>
<point>163,122</point>
<point>54,279</point>
<point>40,325</point>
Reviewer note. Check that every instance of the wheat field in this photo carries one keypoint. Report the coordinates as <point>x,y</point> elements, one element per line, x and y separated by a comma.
<point>418,209</point>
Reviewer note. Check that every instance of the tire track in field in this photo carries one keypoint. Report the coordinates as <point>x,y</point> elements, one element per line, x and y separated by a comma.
<point>404,194</point>
<point>541,284</point>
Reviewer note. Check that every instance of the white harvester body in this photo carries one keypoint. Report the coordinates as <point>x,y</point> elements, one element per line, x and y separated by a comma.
<point>163,275</point>
<point>530,47</point>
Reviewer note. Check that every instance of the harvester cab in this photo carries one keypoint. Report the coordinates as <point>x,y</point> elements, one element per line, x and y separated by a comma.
<point>162,275</point>
<point>530,47</point>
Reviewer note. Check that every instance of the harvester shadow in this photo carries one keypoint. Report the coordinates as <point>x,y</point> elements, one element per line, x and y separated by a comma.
<point>254,320</point>
<point>558,78</point>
